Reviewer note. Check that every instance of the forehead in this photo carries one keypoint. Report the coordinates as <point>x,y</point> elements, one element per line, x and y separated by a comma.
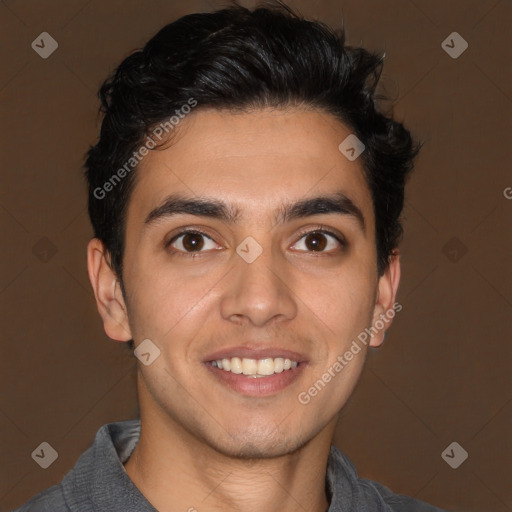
<point>254,161</point>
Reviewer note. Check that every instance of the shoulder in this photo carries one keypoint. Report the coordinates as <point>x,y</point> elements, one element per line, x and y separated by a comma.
<point>400,502</point>
<point>350,492</point>
<point>49,500</point>
<point>96,473</point>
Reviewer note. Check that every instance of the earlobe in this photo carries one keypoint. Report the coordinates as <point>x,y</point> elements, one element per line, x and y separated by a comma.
<point>107,291</point>
<point>384,310</point>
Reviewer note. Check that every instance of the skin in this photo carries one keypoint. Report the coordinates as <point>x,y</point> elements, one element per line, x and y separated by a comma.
<point>202,444</point>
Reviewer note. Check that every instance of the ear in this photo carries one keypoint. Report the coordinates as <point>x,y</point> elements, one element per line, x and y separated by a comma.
<point>107,291</point>
<point>385,309</point>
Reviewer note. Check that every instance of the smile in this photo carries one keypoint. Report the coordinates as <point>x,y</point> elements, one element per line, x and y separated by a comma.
<point>255,368</point>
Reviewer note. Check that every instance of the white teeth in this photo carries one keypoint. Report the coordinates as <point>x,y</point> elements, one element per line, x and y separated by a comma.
<point>278,364</point>
<point>255,367</point>
<point>265,367</point>
<point>249,366</point>
<point>236,365</point>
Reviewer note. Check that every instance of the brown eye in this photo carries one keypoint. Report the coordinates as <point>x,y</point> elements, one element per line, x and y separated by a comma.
<point>191,242</point>
<point>321,241</point>
<point>315,241</point>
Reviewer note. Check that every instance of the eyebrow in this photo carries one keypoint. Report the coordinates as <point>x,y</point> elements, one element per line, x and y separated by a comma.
<point>337,203</point>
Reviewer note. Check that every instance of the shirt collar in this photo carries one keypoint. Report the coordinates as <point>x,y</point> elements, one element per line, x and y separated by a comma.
<point>100,481</point>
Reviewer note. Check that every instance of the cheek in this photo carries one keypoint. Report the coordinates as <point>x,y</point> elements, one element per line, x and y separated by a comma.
<point>342,302</point>
<point>163,302</point>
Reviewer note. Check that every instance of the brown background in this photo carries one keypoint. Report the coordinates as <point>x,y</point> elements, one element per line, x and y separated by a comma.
<point>443,373</point>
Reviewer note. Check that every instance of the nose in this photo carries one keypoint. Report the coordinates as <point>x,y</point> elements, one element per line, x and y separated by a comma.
<point>258,292</point>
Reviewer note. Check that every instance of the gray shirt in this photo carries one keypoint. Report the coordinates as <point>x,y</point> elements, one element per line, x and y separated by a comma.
<point>98,482</point>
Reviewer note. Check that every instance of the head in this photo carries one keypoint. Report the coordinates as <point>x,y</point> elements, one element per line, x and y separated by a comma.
<point>229,123</point>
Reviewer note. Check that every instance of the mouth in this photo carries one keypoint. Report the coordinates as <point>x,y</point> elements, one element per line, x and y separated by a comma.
<point>256,372</point>
<point>255,368</point>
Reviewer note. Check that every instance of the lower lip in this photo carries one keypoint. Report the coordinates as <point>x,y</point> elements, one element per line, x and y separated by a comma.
<point>260,386</point>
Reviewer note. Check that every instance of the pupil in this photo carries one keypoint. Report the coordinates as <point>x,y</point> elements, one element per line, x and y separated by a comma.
<point>192,241</point>
<point>317,245</point>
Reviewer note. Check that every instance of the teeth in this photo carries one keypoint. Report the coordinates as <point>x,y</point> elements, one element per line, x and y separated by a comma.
<point>249,366</point>
<point>266,367</point>
<point>254,367</point>
<point>236,365</point>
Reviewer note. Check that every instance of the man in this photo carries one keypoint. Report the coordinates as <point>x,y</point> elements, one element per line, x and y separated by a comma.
<point>245,195</point>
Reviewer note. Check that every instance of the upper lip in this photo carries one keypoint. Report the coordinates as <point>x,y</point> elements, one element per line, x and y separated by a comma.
<point>255,353</point>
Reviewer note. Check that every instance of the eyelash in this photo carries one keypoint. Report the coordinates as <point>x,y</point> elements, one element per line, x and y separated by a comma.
<point>318,229</point>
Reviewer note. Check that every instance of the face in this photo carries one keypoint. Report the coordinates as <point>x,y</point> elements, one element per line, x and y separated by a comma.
<point>255,270</point>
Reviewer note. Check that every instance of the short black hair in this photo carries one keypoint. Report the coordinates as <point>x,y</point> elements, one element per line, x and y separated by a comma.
<point>241,59</point>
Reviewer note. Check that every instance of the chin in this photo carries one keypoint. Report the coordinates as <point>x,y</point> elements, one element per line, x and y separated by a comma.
<point>245,446</point>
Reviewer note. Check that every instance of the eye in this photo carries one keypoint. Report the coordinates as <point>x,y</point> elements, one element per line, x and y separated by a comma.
<point>191,241</point>
<point>318,241</point>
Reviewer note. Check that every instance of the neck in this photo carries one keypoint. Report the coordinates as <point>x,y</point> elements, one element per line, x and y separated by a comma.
<point>176,471</point>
